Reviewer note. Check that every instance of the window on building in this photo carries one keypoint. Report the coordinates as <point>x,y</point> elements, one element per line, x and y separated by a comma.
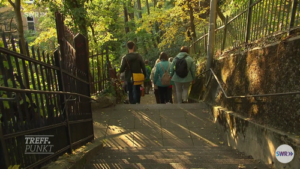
<point>29,1</point>
<point>30,22</point>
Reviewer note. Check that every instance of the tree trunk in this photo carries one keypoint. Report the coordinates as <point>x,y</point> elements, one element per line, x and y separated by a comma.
<point>153,39</point>
<point>157,30</point>
<point>131,14</point>
<point>93,34</point>
<point>192,25</point>
<point>126,18</point>
<point>139,8</point>
<point>147,4</point>
<point>154,3</point>
<point>17,9</point>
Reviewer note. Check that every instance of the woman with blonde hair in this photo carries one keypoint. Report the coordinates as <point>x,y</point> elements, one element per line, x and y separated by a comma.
<point>156,93</point>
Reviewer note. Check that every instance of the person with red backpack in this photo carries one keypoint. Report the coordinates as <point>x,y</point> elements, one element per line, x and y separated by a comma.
<point>162,77</point>
<point>183,70</point>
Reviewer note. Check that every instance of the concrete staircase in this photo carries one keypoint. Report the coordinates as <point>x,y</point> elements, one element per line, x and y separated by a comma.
<point>163,136</point>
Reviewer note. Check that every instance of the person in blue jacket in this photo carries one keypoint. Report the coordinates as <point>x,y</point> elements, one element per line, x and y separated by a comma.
<point>162,89</point>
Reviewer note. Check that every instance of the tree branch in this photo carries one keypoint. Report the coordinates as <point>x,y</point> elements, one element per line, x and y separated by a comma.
<point>12,4</point>
<point>93,33</point>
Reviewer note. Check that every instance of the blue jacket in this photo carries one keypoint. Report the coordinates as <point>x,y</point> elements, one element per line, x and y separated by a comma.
<point>159,72</point>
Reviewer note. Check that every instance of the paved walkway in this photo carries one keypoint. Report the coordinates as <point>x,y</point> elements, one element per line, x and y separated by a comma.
<point>163,136</point>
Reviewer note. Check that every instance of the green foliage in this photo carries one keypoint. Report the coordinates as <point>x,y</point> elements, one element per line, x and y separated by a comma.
<point>1,44</point>
<point>14,167</point>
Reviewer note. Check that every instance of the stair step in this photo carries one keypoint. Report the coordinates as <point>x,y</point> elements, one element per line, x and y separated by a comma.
<point>172,165</point>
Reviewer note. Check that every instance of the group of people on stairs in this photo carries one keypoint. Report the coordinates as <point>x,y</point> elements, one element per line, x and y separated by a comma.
<point>171,77</point>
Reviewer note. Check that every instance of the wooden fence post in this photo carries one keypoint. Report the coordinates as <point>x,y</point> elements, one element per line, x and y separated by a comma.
<point>293,13</point>
<point>248,24</point>
<point>225,31</point>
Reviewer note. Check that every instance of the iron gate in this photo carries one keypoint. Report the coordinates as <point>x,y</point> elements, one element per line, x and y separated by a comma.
<point>42,96</point>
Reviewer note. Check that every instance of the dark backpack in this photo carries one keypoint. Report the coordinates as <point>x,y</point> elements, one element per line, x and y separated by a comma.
<point>181,67</point>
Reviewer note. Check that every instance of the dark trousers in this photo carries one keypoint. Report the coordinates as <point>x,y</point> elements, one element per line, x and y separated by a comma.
<point>157,97</point>
<point>163,94</point>
<point>147,86</point>
<point>134,93</point>
<point>170,95</point>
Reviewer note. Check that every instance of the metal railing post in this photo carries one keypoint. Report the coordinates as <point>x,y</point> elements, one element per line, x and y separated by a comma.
<point>211,35</point>
<point>248,24</point>
<point>224,37</point>
<point>293,13</point>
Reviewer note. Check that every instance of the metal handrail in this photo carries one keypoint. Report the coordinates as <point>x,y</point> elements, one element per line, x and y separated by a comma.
<point>245,96</point>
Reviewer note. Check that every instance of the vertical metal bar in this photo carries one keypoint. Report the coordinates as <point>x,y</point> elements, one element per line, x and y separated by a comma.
<point>245,26</point>
<point>270,19</point>
<point>3,148</point>
<point>104,70</point>
<point>260,4</point>
<point>5,79</point>
<point>39,86</point>
<point>93,85</point>
<point>211,35</point>
<point>107,61</point>
<point>60,87</point>
<point>287,15</point>
<point>283,16</point>
<point>248,22</point>
<point>4,115</point>
<point>63,97</point>
<point>25,70</point>
<point>19,77</point>
<point>240,28</point>
<point>37,118</point>
<point>55,99</point>
<point>14,142</point>
<point>27,86</point>
<point>275,16</point>
<point>45,89</point>
<point>293,13</point>
<point>97,86</point>
<point>266,9</point>
<point>298,5</point>
<point>279,13</point>
<point>205,41</point>
<point>225,31</point>
<point>50,72</point>
<point>11,126</point>
<point>256,21</point>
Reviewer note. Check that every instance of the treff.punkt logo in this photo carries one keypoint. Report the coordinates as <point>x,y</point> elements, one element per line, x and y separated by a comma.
<point>284,153</point>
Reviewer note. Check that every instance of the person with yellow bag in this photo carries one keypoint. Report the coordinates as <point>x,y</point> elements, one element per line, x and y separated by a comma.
<point>135,73</point>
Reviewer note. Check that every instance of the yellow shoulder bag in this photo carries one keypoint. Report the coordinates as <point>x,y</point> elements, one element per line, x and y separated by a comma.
<point>138,78</point>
